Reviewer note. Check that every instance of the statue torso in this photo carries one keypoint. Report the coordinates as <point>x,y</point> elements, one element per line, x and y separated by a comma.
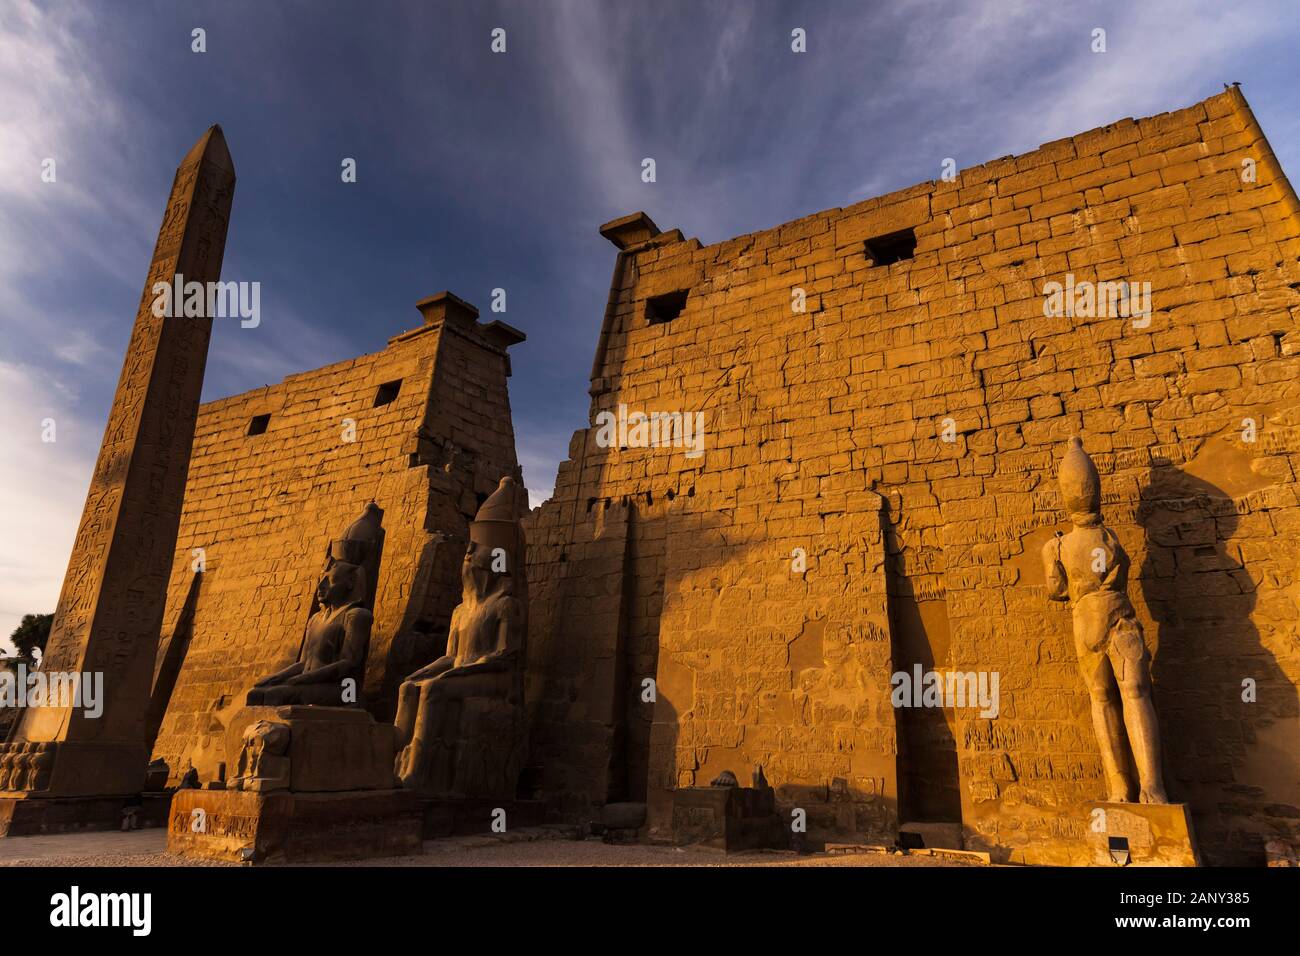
<point>477,625</point>
<point>1090,556</point>
<point>326,633</point>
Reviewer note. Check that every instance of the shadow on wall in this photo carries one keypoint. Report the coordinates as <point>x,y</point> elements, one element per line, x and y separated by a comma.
<point>929,785</point>
<point>421,636</point>
<point>1223,755</point>
<point>171,657</point>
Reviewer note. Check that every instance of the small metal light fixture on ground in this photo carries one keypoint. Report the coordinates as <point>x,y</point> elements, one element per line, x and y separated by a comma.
<point>1118,850</point>
<point>908,840</point>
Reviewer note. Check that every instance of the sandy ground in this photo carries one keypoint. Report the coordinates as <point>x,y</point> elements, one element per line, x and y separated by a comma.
<point>524,848</point>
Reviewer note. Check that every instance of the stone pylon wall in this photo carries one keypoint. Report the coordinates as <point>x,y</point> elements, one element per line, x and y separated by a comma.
<point>1193,421</point>
<point>263,509</point>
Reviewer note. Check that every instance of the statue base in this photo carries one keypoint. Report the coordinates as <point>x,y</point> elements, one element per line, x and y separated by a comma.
<point>728,818</point>
<point>321,788</point>
<point>331,749</point>
<point>72,768</point>
<point>24,814</point>
<point>1141,834</point>
<point>286,827</point>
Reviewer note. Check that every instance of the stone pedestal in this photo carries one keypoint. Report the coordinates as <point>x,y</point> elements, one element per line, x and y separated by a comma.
<point>65,786</point>
<point>331,749</point>
<point>318,785</point>
<point>728,818</point>
<point>33,815</point>
<point>68,768</point>
<point>1155,834</point>
<point>286,827</point>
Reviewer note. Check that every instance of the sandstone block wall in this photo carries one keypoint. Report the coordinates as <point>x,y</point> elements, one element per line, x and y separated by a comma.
<point>264,507</point>
<point>825,431</point>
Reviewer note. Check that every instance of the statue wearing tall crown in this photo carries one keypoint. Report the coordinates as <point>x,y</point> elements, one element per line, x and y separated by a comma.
<point>331,661</point>
<point>1089,568</point>
<point>461,720</point>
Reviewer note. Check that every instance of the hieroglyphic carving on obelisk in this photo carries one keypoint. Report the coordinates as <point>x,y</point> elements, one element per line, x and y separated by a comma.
<point>111,606</point>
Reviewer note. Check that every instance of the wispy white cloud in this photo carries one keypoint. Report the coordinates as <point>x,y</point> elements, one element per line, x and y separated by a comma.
<point>588,75</point>
<point>1159,56</point>
<point>50,101</point>
<point>44,487</point>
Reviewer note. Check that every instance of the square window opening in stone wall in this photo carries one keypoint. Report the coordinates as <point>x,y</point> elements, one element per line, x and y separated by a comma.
<point>258,424</point>
<point>387,392</point>
<point>666,307</point>
<point>893,247</point>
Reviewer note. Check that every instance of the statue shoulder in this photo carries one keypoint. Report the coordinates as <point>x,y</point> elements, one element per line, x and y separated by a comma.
<point>509,606</point>
<point>359,615</point>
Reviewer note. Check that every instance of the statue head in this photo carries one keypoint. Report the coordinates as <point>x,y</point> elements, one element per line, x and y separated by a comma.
<point>483,570</point>
<point>1080,485</point>
<point>342,584</point>
<point>495,541</point>
<point>362,537</point>
<point>497,523</point>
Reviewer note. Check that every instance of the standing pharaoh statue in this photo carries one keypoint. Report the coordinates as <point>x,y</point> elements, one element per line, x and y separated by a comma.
<point>1089,568</point>
<point>461,718</point>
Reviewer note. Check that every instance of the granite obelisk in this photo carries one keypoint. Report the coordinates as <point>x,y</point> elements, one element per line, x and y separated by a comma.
<point>110,609</point>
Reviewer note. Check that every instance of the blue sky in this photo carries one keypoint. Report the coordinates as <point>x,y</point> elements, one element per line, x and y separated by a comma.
<point>479,170</point>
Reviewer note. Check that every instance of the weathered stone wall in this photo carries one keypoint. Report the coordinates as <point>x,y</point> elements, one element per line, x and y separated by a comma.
<point>811,415</point>
<point>264,508</point>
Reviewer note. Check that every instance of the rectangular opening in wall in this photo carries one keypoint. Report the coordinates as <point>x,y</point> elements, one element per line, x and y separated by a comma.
<point>258,425</point>
<point>666,307</point>
<point>387,392</point>
<point>893,247</point>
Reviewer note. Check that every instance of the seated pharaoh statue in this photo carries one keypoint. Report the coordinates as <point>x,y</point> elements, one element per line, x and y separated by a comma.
<point>460,719</point>
<point>330,664</point>
<point>331,659</point>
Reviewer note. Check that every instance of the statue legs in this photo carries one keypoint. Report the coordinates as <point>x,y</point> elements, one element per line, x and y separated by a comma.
<point>278,695</point>
<point>1121,675</point>
<point>461,734</point>
<point>427,717</point>
<point>408,706</point>
<point>1132,666</point>
<point>1108,724</point>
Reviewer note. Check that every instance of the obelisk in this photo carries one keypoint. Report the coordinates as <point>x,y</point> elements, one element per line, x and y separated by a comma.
<point>111,607</point>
